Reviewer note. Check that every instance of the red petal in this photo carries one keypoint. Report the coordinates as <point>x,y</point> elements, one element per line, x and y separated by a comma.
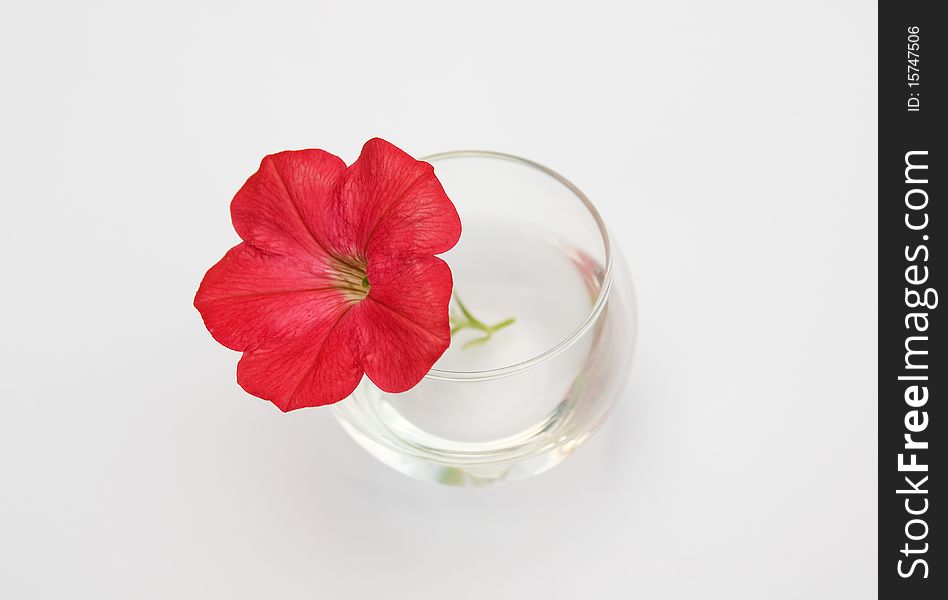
<point>285,207</point>
<point>305,343</point>
<point>395,204</point>
<point>404,319</point>
<point>320,368</point>
<point>250,297</point>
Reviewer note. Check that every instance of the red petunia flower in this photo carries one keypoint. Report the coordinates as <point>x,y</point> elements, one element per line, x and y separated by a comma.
<point>336,275</point>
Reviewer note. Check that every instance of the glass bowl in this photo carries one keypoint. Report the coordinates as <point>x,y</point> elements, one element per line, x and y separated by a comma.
<point>544,326</point>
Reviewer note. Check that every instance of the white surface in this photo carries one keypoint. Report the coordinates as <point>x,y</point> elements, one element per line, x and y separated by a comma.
<point>731,145</point>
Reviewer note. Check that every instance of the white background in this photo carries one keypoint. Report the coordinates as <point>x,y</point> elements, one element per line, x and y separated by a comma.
<point>730,145</point>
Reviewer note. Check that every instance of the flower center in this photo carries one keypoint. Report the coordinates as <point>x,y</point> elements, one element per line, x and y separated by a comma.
<point>349,277</point>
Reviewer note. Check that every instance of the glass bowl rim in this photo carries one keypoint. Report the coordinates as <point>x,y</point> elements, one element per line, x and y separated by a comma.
<point>594,312</point>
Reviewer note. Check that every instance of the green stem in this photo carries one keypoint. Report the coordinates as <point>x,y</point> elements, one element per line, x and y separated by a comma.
<point>468,321</point>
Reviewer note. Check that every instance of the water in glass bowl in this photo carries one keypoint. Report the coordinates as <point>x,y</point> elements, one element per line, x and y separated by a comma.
<point>533,249</point>
<point>504,270</point>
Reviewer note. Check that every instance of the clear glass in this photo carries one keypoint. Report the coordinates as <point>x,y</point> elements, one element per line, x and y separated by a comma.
<point>517,402</point>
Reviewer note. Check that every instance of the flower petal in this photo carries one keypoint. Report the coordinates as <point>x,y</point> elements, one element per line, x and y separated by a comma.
<point>250,297</point>
<point>292,295</point>
<point>320,368</point>
<point>284,208</point>
<point>395,204</point>
<point>404,319</point>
